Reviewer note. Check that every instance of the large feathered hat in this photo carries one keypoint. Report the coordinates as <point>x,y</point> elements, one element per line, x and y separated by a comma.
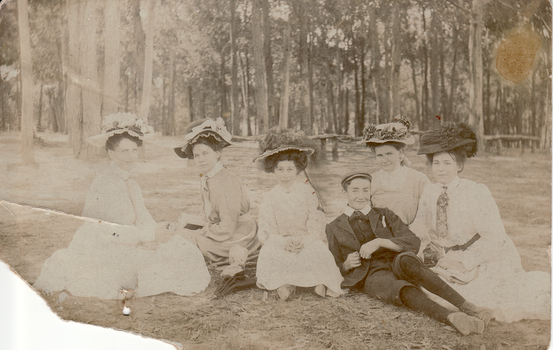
<point>278,140</point>
<point>203,128</point>
<point>119,123</point>
<point>398,131</point>
<point>447,137</point>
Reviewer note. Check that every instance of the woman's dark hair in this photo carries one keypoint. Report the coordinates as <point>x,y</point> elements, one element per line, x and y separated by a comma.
<point>113,141</point>
<point>397,145</point>
<point>209,141</point>
<point>458,154</point>
<point>299,158</point>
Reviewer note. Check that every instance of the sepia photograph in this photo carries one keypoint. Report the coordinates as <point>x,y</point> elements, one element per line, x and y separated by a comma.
<point>275,174</point>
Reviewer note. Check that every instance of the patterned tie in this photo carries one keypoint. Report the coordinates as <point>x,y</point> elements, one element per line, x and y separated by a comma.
<point>441,214</point>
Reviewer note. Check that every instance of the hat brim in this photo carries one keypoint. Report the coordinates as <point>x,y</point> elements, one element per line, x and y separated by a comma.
<point>409,140</point>
<point>266,154</point>
<point>185,151</point>
<point>101,139</point>
<point>437,148</point>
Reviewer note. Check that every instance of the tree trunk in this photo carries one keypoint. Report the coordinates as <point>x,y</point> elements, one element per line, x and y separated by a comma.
<point>234,110</point>
<point>395,101</point>
<point>148,62</point>
<point>39,127</point>
<point>425,115</point>
<point>190,104</point>
<point>271,100</point>
<point>311,87</point>
<point>111,103</point>
<point>415,90</point>
<point>26,75</point>
<point>476,120</point>
<point>376,71</point>
<point>261,98</point>
<point>453,84</point>
<point>73,95</point>
<point>246,95</point>
<point>139,54</point>
<point>357,99</point>
<point>285,95</point>
<point>434,64</point>
<point>91,103</point>
<point>346,113</point>
<point>222,86</point>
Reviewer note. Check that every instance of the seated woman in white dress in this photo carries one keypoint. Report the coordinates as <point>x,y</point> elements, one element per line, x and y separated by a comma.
<point>292,230</point>
<point>225,227</point>
<point>458,222</point>
<point>121,247</point>
<point>395,186</point>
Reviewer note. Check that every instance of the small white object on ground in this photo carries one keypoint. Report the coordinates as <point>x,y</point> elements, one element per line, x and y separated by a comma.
<point>126,311</point>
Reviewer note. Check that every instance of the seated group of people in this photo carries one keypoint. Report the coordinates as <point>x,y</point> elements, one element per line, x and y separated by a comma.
<point>436,248</point>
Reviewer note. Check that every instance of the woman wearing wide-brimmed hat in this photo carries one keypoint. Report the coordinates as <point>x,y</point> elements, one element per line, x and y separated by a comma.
<point>294,251</point>
<point>459,223</point>
<point>122,248</point>
<point>395,186</point>
<point>225,211</point>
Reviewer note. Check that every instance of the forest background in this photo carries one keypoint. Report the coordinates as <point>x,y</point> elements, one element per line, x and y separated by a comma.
<point>327,67</point>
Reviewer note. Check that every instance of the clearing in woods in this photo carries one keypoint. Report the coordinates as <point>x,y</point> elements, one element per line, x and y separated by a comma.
<point>252,319</point>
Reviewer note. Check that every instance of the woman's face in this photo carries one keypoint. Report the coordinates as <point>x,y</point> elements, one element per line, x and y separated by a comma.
<point>286,173</point>
<point>205,157</point>
<point>125,154</point>
<point>444,168</point>
<point>388,157</point>
<point>359,193</point>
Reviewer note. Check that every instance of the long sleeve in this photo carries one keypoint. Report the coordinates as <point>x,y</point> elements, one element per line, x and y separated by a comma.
<point>316,220</point>
<point>420,225</point>
<point>225,197</point>
<point>267,220</point>
<point>488,224</point>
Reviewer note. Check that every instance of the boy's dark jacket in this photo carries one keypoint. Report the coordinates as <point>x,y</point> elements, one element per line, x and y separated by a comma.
<point>342,240</point>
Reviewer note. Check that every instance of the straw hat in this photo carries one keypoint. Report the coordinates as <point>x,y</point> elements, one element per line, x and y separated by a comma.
<point>204,128</point>
<point>119,123</point>
<point>397,131</point>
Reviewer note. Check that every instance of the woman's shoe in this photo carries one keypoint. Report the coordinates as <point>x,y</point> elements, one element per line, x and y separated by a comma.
<point>320,290</point>
<point>285,291</point>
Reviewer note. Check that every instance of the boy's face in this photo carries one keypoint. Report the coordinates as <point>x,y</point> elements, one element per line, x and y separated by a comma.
<point>359,193</point>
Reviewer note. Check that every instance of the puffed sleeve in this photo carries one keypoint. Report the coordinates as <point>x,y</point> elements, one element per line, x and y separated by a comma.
<point>419,226</point>
<point>488,224</point>
<point>316,219</point>
<point>143,216</point>
<point>225,197</point>
<point>267,220</point>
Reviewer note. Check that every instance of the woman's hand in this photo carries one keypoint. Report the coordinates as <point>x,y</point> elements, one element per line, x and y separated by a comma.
<point>353,261</point>
<point>451,264</point>
<point>293,245</point>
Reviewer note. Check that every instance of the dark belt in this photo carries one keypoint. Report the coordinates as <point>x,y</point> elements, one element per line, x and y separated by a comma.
<point>463,246</point>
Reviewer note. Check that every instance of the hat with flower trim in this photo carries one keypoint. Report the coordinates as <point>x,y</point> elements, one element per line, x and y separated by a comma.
<point>119,123</point>
<point>204,128</point>
<point>398,131</point>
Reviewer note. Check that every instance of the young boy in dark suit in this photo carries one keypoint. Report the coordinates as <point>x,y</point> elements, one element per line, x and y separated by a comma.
<point>376,252</point>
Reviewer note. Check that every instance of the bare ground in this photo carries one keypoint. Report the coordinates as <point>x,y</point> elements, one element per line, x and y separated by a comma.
<point>254,319</point>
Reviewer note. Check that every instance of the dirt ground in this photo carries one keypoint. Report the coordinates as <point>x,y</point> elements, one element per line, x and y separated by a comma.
<point>255,319</point>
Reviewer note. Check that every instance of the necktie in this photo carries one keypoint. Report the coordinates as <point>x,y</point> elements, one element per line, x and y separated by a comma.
<point>357,215</point>
<point>441,214</point>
